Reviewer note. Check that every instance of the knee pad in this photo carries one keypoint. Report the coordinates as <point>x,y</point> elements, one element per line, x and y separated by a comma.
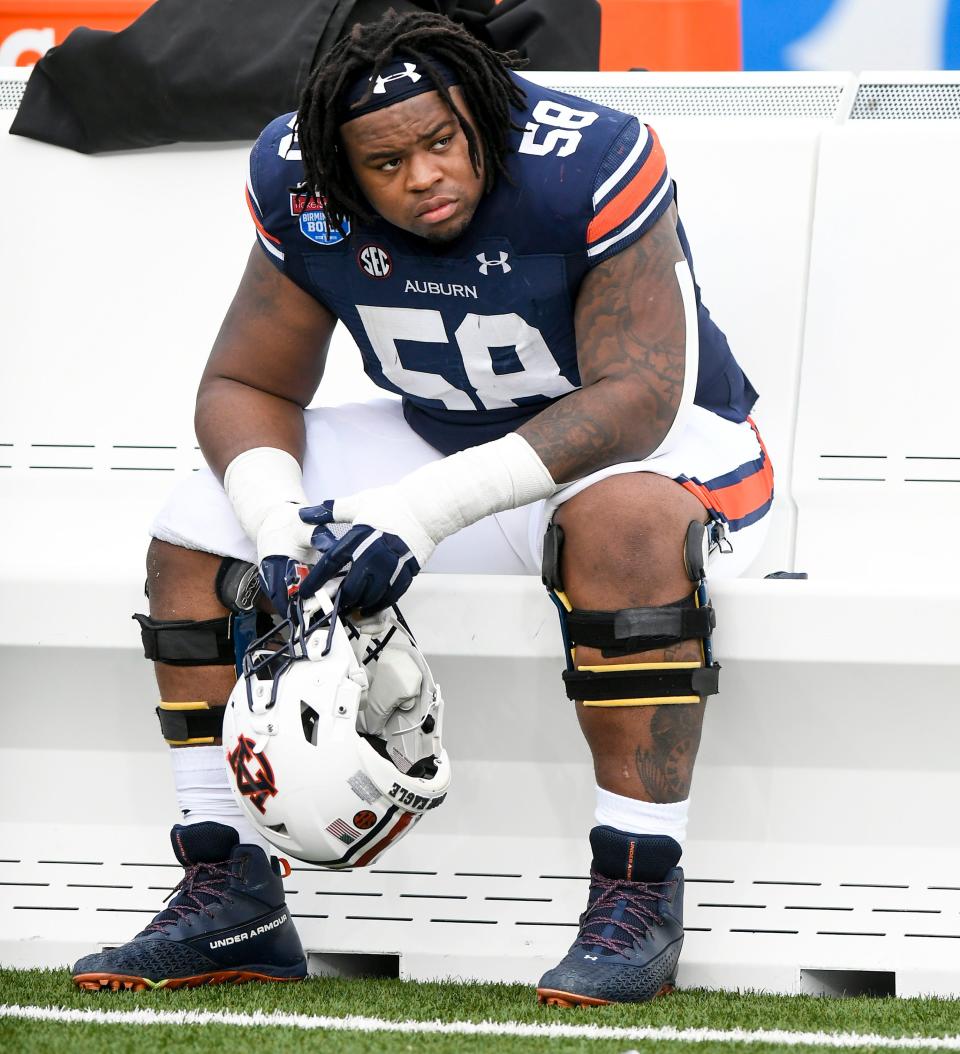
<point>635,630</point>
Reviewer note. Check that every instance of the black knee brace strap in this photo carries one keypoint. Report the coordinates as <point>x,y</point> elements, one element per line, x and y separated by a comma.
<point>642,685</point>
<point>635,630</point>
<point>190,724</point>
<point>185,642</point>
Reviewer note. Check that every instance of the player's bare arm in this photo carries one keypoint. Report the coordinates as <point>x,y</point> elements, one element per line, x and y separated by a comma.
<point>631,351</point>
<point>264,368</point>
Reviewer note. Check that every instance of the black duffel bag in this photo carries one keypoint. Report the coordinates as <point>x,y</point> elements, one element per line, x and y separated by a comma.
<point>222,69</point>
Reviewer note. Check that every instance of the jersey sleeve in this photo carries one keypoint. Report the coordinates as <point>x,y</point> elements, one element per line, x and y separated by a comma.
<point>261,190</point>
<point>274,201</point>
<point>632,191</point>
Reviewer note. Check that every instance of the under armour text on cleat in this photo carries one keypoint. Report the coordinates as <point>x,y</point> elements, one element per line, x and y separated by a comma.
<point>226,923</point>
<point>631,932</point>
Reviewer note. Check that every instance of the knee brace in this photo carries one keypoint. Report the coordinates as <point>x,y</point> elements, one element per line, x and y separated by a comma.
<point>209,642</point>
<point>188,643</point>
<point>636,630</point>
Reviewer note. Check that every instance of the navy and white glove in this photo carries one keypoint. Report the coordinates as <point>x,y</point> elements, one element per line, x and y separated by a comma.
<point>281,578</point>
<point>284,555</point>
<point>391,531</point>
<point>382,562</point>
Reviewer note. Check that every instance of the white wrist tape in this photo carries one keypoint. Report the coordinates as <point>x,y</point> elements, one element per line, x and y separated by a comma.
<point>456,491</point>
<point>441,498</point>
<point>259,480</point>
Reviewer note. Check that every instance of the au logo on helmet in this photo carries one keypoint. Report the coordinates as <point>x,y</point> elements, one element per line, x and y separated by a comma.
<point>256,784</point>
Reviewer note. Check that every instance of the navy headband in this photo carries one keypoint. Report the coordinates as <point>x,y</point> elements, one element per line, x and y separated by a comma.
<point>398,80</point>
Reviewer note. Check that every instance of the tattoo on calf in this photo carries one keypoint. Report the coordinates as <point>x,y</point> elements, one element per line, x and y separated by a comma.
<point>665,766</point>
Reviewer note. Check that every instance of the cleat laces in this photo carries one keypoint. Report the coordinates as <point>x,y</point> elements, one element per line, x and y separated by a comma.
<point>202,885</point>
<point>639,900</point>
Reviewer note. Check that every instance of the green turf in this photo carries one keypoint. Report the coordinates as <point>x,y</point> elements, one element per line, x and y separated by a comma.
<point>48,1038</point>
<point>402,1000</point>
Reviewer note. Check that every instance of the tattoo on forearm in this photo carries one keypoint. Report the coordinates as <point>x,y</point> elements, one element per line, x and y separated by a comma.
<point>665,764</point>
<point>631,345</point>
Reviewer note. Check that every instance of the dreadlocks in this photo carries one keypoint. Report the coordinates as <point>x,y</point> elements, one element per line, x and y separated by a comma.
<point>482,74</point>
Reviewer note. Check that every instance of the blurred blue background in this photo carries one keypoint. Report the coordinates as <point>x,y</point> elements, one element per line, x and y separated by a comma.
<point>851,34</point>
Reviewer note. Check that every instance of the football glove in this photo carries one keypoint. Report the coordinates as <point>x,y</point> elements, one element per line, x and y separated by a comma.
<point>394,529</point>
<point>382,562</point>
<point>284,551</point>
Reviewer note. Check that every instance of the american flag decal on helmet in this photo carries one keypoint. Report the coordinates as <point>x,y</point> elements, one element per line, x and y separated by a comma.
<point>343,831</point>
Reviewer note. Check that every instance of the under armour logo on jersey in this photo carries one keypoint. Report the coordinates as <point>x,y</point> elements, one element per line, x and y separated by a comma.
<point>409,70</point>
<point>486,264</point>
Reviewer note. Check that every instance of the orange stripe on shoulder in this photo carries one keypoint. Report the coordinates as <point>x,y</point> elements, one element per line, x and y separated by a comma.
<point>256,219</point>
<point>633,194</point>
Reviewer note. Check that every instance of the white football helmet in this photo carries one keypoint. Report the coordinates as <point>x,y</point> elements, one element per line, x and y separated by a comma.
<point>332,735</point>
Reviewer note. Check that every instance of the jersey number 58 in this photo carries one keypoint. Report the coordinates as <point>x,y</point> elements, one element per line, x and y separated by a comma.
<point>564,124</point>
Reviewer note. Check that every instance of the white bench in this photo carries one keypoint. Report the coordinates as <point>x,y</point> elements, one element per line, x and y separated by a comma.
<point>830,746</point>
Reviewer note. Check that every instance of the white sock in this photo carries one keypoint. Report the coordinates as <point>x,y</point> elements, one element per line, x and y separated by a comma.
<point>642,817</point>
<point>203,793</point>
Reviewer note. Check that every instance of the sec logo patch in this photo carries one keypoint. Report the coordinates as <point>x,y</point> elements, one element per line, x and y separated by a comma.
<point>375,261</point>
<point>365,819</point>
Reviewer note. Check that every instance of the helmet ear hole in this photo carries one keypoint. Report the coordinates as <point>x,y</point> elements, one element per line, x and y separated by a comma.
<point>278,828</point>
<point>424,769</point>
<point>309,718</point>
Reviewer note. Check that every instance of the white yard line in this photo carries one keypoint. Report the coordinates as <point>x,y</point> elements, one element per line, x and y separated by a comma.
<point>833,1040</point>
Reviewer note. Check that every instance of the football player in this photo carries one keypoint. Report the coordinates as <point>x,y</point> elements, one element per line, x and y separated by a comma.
<point>510,262</point>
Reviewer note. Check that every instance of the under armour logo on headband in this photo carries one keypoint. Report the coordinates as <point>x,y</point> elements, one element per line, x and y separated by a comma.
<point>399,80</point>
<point>409,70</point>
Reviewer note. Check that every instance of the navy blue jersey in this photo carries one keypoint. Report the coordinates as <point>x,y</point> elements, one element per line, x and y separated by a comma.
<point>477,334</point>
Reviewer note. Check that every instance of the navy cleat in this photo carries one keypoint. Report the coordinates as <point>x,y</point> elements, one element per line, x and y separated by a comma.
<point>632,929</point>
<point>227,923</point>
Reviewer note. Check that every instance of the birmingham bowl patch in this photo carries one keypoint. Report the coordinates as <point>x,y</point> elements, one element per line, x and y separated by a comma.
<point>313,220</point>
